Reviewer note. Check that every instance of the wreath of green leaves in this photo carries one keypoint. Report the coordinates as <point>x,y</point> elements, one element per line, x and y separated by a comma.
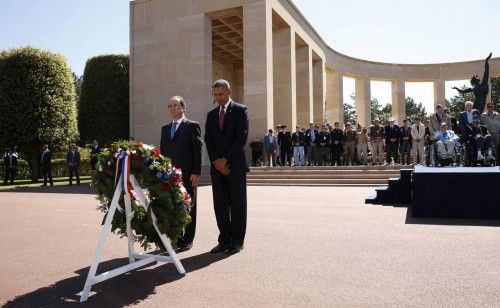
<point>168,198</point>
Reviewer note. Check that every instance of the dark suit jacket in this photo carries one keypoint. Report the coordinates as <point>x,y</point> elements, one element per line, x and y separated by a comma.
<point>6,161</point>
<point>230,141</point>
<point>462,119</point>
<point>185,148</point>
<point>470,131</point>
<point>46,159</point>
<point>73,160</point>
<point>93,156</point>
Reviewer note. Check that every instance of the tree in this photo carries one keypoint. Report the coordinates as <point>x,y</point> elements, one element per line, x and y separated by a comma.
<point>77,80</point>
<point>349,113</point>
<point>37,102</point>
<point>414,110</point>
<point>456,103</point>
<point>104,101</point>
<point>379,112</point>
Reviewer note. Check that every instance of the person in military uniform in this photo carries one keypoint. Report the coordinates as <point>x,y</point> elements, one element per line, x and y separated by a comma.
<point>312,146</point>
<point>336,145</point>
<point>324,146</point>
<point>349,144</point>
<point>392,135</point>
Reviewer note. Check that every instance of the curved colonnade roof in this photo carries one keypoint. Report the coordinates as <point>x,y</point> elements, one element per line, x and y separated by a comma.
<point>355,67</point>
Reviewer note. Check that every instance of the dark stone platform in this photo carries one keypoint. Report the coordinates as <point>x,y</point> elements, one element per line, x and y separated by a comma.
<point>456,192</point>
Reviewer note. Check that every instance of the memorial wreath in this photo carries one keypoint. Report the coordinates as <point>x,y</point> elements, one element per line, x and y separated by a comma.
<point>161,182</point>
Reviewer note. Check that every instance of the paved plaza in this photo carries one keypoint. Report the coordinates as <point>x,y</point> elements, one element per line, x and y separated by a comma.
<point>305,246</point>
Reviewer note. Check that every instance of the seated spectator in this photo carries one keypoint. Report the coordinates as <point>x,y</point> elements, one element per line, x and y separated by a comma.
<point>445,141</point>
<point>480,140</point>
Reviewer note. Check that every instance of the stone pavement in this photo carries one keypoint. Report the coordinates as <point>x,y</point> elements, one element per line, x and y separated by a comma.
<point>305,246</point>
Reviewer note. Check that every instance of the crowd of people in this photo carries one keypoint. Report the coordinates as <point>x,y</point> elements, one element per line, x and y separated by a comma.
<point>392,143</point>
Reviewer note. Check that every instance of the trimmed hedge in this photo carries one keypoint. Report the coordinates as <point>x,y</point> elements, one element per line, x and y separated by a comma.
<point>37,102</point>
<point>103,112</point>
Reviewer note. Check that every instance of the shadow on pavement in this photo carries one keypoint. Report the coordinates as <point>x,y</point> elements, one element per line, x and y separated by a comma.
<point>449,221</point>
<point>58,189</point>
<point>123,290</point>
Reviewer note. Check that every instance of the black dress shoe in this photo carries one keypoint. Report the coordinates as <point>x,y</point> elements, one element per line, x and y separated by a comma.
<point>185,246</point>
<point>220,248</point>
<point>234,249</point>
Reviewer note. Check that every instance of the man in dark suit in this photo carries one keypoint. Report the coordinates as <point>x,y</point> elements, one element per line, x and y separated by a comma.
<point>181,141</point>
<point>392,136</point>
<point>73,160</point>
<point>480,141</point>
<point>226,133</point>
<point>466,117</point>
<point>10,167</point>
<point>93,154</point>
<point>46,161</point>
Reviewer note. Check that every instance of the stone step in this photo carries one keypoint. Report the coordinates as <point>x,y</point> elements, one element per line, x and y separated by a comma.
<point>316,181</point>
<point>381,172</point>
<point>319,176</point>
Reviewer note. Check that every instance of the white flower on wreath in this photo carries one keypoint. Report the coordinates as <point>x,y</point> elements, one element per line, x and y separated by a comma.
<point>147,147</point>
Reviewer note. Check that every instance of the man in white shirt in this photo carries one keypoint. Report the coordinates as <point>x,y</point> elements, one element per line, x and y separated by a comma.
<point>417,136</point>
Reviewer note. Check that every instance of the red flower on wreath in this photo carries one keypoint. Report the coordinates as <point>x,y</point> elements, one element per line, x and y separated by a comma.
<point>165,186</point>
<point>175,180</point>
<point>136,143</point>
<point>187,198</point>
<point>156,152</point>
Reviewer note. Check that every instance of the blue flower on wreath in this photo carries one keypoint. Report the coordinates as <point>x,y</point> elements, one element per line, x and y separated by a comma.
<point>146,160</point>
<point>166,176</point>
<point>183,207</point>
<point>159,175</point>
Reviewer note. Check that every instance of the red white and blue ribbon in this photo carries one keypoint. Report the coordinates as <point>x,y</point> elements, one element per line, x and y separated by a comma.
<point>123,160</point>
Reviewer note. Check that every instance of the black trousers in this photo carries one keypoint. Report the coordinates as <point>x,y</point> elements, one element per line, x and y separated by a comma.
<point>230,205</point>
<point>391,151</point>
<point>190,229</point>
<point>10,175</point>
<point>47,173</point>
<point>74,170</point>
<point>336,152</point>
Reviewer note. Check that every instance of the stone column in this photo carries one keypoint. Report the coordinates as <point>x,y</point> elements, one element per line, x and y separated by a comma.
<point>158,70</point>
<point>398,101</point>
<point>439,92</point>
<point>318,92</point>
<point>284,77</point>
<point>303,85</point>
<point>334,97</point>
<point>363,101</point>
<point>258,66</point>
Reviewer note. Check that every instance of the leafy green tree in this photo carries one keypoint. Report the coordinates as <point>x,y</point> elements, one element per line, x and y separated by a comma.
<point>77,80</point>
<point>382,113</point>
<point>456,103</point>
<point>350,111</point>
<point>414,110</point>
<point>104,101</point>
<point>37,102</point>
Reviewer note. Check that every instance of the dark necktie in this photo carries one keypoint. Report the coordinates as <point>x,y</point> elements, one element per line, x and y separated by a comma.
<point>418,129</point>
<point>221,117</point>
<point>172,130</point>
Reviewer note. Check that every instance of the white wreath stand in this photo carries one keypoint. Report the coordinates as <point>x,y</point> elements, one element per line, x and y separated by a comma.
<point>136,260</point>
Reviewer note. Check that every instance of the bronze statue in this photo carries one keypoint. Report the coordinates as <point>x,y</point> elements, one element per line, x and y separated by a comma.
<point>479,88</point>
